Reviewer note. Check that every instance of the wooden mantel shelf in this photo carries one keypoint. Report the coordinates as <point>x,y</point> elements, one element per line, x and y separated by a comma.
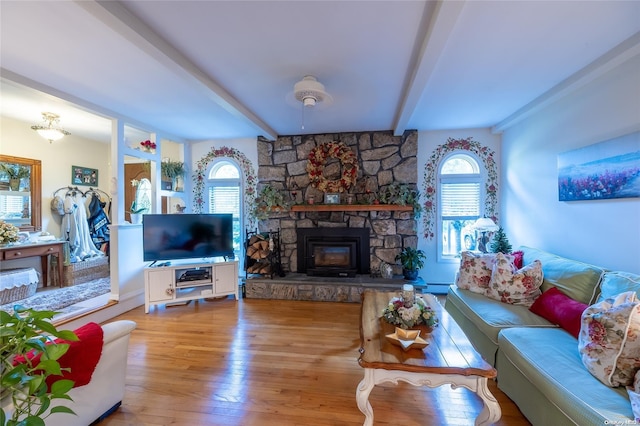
<point>348,207</point>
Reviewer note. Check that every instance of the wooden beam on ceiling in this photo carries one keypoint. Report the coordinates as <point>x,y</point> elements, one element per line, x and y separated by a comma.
<point>117,17</point>
<point>441,25</point>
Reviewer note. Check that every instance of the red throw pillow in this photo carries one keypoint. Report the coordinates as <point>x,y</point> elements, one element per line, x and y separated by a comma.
<point>81,357</point>
<point>558,308</point>
<point>517,258</point>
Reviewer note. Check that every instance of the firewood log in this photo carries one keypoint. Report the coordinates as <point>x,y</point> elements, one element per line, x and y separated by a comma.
<point>255,238</point>
<point>266,269</point>
<point>254,269</point>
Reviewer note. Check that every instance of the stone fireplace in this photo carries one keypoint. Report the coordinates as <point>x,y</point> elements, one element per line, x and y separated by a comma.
<point>382,159</point>
<point>333,252</point>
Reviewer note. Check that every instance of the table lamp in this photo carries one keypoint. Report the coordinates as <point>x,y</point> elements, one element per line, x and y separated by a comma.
<point>484,225</point>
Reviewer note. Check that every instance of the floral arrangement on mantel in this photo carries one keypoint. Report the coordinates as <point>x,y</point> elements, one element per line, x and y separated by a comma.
<point>148,145</point>
<point>431,171</point>
<point>409,313</point>
<point>317,159</point>
<point>250,180</point>
<point>8,233</point>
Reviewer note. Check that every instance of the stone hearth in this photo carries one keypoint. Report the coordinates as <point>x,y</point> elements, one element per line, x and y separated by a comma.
<point>296,286</point>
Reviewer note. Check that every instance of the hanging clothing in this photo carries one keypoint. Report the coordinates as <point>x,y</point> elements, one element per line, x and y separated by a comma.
<point>98,222</point>
<point>76,228</point>
<point>69,228</point>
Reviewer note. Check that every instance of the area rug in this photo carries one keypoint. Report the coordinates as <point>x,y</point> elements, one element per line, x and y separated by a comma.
<point>61,299</point>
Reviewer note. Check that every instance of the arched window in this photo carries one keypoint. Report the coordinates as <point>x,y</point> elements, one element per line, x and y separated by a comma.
<point>461,195</point>
<point>224,189</point>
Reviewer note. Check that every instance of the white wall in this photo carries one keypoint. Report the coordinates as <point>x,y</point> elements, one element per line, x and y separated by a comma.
<point>443,272</point>
<point>248,146</point>
<point>602,232</point>
<point>19,140</point>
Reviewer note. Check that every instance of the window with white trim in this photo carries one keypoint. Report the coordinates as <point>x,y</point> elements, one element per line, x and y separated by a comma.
<point>224,195</point>
<point>461,193</point>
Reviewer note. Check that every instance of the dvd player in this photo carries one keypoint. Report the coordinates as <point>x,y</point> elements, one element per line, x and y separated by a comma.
<point>194,275</point>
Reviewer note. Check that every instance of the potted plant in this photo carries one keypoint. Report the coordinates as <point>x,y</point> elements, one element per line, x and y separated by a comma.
<point>403,195</point>
<point>24,373</point>
<point>269,199</point>
<point>16,173</point>
<point>411,260</point>
<point>172,170</point>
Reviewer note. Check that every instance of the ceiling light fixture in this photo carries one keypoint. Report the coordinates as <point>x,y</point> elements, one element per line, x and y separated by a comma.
<point>51,129</point>
<point>310,92</point>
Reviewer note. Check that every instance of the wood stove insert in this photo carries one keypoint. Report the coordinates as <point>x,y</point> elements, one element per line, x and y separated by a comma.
<point>337,252</point>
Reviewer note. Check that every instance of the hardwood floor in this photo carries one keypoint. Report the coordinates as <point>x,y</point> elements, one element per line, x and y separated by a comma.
<point>269,362</point>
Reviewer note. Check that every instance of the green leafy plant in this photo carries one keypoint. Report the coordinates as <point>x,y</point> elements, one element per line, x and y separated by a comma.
<point>411,259</point>
<point>172,169</point>
<point>15,171</point>
<point>403,195</point>
<point>500,243</point>
<point>269,199</point>
<point>25,335</point>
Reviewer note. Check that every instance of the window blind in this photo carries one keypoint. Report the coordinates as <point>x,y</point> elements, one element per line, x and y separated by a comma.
<point>224,199</point>
<point>460,199</point>
<point>14,206</point>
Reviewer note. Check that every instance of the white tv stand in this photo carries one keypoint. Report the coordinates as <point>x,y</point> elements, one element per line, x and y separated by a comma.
<point>178,281</point>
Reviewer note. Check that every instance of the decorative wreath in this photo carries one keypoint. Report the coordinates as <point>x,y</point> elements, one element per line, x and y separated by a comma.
<point>317,159</point>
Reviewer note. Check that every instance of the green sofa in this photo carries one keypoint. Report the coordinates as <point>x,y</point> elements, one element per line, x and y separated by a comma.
<point>539,366</point>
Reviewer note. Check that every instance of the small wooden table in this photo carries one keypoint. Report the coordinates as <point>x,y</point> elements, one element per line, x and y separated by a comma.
<point>448,359</point>
<point>42,250</point>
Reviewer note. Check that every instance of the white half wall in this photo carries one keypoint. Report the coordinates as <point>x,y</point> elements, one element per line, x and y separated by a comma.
<point>602,232</point>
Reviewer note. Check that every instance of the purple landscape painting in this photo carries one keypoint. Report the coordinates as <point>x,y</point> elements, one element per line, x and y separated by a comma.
<point>609,169</point>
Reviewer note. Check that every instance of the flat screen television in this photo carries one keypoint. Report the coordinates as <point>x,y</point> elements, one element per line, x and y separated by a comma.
<point>186,236</point>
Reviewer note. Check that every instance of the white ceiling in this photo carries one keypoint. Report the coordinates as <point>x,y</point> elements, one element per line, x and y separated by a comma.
<point>200,70</point>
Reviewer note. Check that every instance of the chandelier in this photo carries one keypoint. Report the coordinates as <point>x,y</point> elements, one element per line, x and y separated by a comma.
<point>51,129</point>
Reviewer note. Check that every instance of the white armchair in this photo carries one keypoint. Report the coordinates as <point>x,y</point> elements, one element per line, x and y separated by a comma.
<point>105,391</point>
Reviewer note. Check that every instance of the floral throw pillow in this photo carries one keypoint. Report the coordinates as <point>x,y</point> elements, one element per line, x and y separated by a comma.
<point>609,340</point>
<point>515,286</point>
<point>634,396</point>
<point>475,271</point>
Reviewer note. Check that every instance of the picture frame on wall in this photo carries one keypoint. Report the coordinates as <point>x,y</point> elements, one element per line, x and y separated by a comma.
<point>605,170</point>
<point>330,198</point>
<point>84,176</point>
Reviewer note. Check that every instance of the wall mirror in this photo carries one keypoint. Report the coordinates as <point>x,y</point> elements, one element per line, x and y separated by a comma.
<point>21,192</point>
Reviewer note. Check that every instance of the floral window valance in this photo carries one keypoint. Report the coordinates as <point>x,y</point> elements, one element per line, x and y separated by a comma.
<point>250,180</point>
<point>431,173</point>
